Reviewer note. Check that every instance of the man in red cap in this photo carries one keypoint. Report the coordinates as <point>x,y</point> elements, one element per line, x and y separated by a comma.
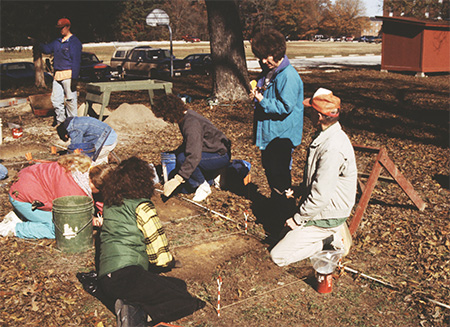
<point>66,63</point>
<point>329,187</point>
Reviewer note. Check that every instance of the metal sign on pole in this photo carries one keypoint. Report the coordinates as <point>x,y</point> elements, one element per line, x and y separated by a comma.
<point>158,17</point>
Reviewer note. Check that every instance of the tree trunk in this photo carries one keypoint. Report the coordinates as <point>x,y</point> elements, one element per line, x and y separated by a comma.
<point>230,75</point>
<point>39,67</point>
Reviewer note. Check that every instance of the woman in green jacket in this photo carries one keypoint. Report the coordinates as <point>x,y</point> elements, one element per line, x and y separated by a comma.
<point>132,241</point>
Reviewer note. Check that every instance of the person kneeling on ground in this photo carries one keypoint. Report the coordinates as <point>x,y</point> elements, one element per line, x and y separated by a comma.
<point>132,240</point>
<point>97,177</point>
<point>33,193</point>
<point>205,149</point>
<point>329,185</point>
<point>89,130</point>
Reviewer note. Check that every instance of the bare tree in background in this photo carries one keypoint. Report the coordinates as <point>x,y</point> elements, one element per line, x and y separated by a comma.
<point>257,14</point>
<point>230,76</point>
<point>424,9</point>
<point>344,18</point>
<point>187,17</point>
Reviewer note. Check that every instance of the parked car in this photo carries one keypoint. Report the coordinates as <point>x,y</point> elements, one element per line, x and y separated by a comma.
<point>201,63</point>
<point>92,69</point>
<point>375,39</point>
<point>146,62</point>
<point>117,60</point>
<point>365,38</point>
<point>15,74</point>
<point>190,38</point>
<point>320,37</point>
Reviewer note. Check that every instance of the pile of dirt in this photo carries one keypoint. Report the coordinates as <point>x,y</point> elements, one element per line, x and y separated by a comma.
<point>130,118</point>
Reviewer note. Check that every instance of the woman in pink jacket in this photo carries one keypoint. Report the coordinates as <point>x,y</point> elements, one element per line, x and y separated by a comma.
<point>36,188</point>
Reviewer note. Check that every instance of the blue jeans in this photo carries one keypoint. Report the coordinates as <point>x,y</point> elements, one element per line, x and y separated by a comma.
<point>207,169</point>
<point>39,223</point>
<point>61,93</point>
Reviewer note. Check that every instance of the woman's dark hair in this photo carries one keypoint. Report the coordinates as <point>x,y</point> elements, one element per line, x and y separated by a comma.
<point>169,107</point>
<point>98,174</point>
<point>132,179</point>
<point>269,43</point>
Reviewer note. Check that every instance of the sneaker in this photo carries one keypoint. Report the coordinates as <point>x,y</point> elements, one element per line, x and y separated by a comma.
<point>129,315</point>
<point>8,224</point>
<point>217,182</point>
<point>346,238</point>
<point>342,239</point>
<point>11,216</point>
<point>202,192</point>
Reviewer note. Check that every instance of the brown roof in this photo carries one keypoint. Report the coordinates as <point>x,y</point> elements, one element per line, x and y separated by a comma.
<point>416,21</point>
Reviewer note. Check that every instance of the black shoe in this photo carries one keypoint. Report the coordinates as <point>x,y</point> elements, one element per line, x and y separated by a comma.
<point>89,281</point>
<point>175,264</point>
<point>200,304</point>
<point>326,243</point>
<point>129,315</point>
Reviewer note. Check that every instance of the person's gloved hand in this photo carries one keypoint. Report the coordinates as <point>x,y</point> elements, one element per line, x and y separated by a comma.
<point>172,184</point>
<point>73,85</point>
<point>36,204</point>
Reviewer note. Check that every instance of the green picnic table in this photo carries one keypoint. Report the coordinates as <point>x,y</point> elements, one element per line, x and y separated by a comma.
<point>100,92</point>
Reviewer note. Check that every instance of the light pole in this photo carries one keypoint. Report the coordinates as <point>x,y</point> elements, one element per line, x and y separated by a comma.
<point>158,17</point>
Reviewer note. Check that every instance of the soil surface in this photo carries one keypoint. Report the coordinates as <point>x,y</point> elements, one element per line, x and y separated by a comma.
<point>406,249</point>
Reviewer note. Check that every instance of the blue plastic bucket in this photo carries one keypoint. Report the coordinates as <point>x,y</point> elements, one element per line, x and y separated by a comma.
<point>84,148</point>
<point>168,163</point>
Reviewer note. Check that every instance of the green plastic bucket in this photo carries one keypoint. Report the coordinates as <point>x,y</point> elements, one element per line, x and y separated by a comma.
<point>72,216</point>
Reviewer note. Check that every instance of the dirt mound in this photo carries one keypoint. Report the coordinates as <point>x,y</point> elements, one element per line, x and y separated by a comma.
<point>130,118</point>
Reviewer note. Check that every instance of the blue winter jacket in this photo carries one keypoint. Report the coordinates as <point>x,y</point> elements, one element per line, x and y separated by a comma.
<point>66,55</point>
<point>89,130</point>
<point>280,113</point>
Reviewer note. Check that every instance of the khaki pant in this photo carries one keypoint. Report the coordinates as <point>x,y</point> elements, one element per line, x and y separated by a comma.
<point>302,243</point>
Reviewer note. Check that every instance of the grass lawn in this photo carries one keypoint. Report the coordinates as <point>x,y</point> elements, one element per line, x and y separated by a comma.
<point>181,50</point>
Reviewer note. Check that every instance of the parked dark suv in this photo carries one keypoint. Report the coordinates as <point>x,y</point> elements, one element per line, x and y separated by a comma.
<point>201,63</point>
<point>152,63</point>
<point>92,69</point>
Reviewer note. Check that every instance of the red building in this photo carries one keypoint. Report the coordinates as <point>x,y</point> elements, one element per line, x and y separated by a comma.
<point>411,44</point>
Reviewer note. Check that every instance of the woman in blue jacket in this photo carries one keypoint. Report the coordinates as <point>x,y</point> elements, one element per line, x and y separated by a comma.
<point>278,100</point>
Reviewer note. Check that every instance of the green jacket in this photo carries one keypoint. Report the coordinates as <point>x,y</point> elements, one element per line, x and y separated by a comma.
<point>121,242</point>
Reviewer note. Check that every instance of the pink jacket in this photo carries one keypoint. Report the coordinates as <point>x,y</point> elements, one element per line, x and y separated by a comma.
<point>44,182</point>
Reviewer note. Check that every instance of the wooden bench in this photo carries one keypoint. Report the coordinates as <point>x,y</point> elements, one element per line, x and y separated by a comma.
<point>100,92</point>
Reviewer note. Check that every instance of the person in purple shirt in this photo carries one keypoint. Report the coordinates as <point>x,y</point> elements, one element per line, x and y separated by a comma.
<point>66,52</point>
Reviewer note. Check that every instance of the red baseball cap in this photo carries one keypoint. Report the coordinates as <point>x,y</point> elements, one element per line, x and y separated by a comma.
<point>63,22</point>
<point>324,102</point>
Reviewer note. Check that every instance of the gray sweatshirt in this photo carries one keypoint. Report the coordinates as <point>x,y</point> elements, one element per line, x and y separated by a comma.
<point>199,135</point>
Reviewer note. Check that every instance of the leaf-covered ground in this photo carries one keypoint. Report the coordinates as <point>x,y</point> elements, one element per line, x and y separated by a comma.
<point>395,242</point>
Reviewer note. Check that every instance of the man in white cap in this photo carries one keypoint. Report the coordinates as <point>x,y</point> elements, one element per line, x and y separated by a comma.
<point>329,187</point>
